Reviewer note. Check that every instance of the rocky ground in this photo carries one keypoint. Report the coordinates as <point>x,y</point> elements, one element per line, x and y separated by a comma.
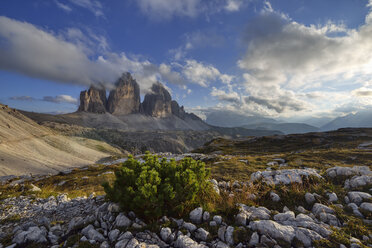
<point>265,217</point>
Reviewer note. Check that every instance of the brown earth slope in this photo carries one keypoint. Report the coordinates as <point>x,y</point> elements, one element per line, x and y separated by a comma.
<point>26,147</point>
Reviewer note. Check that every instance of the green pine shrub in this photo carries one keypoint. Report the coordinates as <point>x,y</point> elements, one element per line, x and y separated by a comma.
<point>156,188</point>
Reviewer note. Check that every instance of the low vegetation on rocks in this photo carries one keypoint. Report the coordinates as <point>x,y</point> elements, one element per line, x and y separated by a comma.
<point>160,187</point>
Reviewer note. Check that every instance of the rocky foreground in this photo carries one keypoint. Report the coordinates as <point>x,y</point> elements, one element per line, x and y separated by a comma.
<point>93,222</point>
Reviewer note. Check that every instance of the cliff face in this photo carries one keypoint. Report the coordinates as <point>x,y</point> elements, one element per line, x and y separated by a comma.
<point>93,100</point>
<point>158,102</point>
<point>125,98</point>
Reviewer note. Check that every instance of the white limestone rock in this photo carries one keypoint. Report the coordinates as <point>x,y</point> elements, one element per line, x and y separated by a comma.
<point>286,177</point>
<point>274,230</point>
<point>310,199</point>
<point>366,206</point>
<point>274,197</point>
<point>307,236</point>
<point>358,197</point>
<point>287,216</point>
<point>196,215</point>
<point>165,233</point>
<point>122,221</point>
<point>184,241</point>
<point>201,234</point>
<point>332,197</point>
<point>255,239</point>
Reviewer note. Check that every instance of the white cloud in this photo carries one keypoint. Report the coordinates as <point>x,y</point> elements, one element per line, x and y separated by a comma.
<point>292,53</point>
<point>228,96</point>
<point>93,6</point>
<point>233,5</point>
<point>71,57</point>
<point>165,9</point>
<point>289,57</point>
<point>60,99</point>
<point>62,6</point>
<point>202,74</point>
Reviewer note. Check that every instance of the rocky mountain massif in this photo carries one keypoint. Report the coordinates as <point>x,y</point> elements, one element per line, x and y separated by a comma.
<point>125,99</point>
<point>157,124</point>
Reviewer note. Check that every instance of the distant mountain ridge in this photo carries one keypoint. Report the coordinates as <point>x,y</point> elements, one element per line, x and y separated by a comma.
<point>232,119</point>
<point>286,128</point>
<point>359,119</point>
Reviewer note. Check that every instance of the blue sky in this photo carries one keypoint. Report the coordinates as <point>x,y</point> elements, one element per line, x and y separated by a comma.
<point>282,59</point>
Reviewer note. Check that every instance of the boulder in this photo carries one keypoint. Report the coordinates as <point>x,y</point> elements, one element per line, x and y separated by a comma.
<point>254,213</point>
<point>196,215</point>
<point>229,235</point>
<point>306,236</point>
<point>273,229</point>
<point>113,235</point>
<point>189,226</point>
<point>347,171</point>
<point>310,199</point>
<point>366,206</point>
<point>184,241</point>
<point>201,234</point>
<point>286,177</point>
<point>319,208</point>
<point>122,221</point>
<point>255,239</point>
<point>165,233</point>
<point>332,197</point>
<point>274,197</point>
<point>358,197</point>
<point>287,216</point>
<point>217,219</point>
<point>359,181</point>
<point>125,98</point>
<point>92,234</point>
<point>33,234</point>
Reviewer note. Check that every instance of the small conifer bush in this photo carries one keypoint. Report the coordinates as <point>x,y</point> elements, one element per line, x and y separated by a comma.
<point>155,187</point>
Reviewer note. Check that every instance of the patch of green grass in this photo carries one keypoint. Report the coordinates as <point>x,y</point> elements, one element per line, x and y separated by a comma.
<point>12,219</point>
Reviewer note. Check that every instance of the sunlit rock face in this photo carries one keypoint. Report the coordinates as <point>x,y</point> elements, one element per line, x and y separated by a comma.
<point>93,100</point>
<point>125,98</point>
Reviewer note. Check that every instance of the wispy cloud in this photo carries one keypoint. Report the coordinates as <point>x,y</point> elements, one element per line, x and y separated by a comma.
<point>55,99</point>
<point>93,6</point>
<point>60,99</point>
<point>167,9</point>
<point>62,6</point>
<point>233,5</point>
<point>22,98</point>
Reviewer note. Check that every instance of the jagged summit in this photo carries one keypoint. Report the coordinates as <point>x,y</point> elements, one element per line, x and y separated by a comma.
<point>157,103</point>
<point>125,99</point>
